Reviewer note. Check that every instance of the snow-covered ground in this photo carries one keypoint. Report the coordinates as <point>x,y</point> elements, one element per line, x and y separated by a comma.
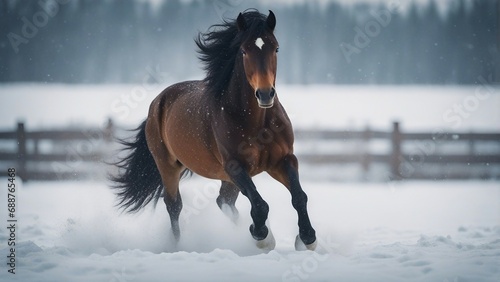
<point>449,108</point>
<point>416,231</point>
<point>408,231</point>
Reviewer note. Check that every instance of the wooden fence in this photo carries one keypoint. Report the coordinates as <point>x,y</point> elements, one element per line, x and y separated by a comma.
<point>410,152</point>
<point>83,153</point>
<point>69,155</point>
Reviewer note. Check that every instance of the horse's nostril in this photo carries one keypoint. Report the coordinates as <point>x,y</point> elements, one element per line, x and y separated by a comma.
<point>265,95</point>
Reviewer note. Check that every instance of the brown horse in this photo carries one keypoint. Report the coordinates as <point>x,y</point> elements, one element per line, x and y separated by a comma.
<point>229,126</point>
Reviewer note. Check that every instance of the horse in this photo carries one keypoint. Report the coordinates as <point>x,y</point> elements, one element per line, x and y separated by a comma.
<point>229,126</point>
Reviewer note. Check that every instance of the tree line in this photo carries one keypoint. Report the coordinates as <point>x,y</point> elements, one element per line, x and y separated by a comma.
<point>84,41</point>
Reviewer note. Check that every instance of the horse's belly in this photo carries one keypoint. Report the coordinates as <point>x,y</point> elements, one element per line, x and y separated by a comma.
<point>202,163</point>
<point>192,149</point>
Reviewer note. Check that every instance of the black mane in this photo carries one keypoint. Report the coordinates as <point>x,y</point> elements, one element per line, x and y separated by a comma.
<point>219,47</point>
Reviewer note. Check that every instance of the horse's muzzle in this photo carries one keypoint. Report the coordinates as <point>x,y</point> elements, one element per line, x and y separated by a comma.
<point>265,98</point>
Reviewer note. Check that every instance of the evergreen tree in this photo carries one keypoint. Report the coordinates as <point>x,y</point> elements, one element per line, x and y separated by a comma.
<point>118,41</point>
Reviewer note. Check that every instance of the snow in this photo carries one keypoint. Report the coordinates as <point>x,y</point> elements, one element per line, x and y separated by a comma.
<point>416,231</point>
<point>396,231</point>
<point>418,108</point>
<point>447,108</point>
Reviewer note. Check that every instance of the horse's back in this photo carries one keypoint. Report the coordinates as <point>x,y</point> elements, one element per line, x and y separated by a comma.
<point>167,100</point>
<point>182,95</point>
<point>175,91</point>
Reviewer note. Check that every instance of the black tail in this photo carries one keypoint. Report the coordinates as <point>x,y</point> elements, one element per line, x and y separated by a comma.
<point>139,181</point>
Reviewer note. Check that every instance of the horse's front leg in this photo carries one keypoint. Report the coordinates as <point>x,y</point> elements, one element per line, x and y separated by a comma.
<point>259,210</point>
<point>287,173</point>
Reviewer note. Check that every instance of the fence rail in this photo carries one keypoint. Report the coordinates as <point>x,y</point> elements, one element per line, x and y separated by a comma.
<point>67,158</point>
<point>59,162</point>
<point>426,150</point>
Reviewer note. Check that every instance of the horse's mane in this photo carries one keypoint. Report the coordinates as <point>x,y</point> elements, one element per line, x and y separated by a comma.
<point>219,47</point>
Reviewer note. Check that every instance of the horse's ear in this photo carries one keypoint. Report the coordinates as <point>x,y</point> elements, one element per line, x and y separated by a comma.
<point>242,24</point>
<point>271,20</point>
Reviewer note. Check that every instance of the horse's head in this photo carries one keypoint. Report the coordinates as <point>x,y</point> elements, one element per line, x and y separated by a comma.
<point>260,59</point>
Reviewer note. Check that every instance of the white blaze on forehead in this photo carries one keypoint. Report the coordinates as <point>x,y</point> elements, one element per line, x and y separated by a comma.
<point>259,43</point>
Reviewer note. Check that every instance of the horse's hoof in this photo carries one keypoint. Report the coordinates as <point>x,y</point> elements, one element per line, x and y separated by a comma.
<point>267,243</point>
<point>300,246</point>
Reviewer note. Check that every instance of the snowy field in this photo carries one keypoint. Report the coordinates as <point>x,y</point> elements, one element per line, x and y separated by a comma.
<point>406,231</point>
<point>409,231</point>
<point>448,108</point>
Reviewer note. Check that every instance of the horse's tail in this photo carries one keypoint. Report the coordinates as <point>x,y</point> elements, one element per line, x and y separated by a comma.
<point>139,181</point>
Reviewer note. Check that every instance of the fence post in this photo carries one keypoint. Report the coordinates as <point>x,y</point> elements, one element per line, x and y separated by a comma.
<point>396,151</point>
<point>109,130</point>
<point>366,159</point>
<point>471,146</point>
<point>21,151</point>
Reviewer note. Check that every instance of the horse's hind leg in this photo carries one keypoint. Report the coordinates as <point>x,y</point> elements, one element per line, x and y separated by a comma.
<point>170,175</point>
<point>173,201</point>
<point>170,171</point>
<point>227,199</point>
